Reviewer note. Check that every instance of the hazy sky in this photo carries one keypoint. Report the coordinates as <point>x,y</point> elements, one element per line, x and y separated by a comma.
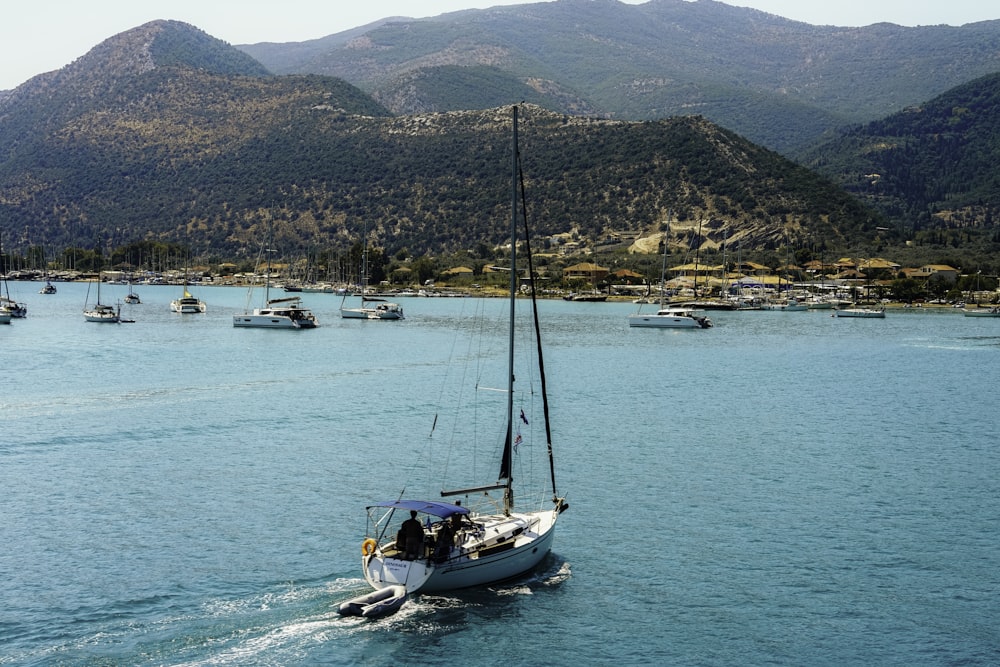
<point>41,35</point>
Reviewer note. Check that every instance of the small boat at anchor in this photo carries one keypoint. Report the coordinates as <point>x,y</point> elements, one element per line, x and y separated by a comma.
<point>101,312</point>
<point>875,313</point>
<point>981,312</point>
<point>284,313</point>
<point>669,316</point>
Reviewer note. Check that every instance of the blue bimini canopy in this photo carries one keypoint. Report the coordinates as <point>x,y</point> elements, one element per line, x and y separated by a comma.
<point>442,510</point>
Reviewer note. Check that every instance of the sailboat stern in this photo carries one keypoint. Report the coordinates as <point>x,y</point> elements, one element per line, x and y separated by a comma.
<point>382,571</point>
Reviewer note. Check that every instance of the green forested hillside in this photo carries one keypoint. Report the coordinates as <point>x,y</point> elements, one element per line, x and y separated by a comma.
<point>206,159</point>
<point>931,169</point>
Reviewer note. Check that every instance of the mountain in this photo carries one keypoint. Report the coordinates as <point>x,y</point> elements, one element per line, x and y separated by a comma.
<point>781,83</point>
<point>161,132</point>
<point>928,168</point>
<point>201,147</point>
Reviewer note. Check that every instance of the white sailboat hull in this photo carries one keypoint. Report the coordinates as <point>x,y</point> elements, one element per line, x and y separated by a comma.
<point>785,307</point>
<point>665,321</point>
<point>672,317</point>
<point>101,313</point>
<point>982,312</point>
<point>353,314</point>
<point>14,308</point>
<point>267,319</point>
<point>389,311</point>
<point>476,562</point>
<point>861,312</point>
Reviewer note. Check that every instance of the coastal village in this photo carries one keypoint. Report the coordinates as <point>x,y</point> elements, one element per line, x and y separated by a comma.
<point>853,279</point>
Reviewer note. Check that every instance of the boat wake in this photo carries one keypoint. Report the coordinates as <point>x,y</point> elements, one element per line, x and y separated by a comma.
<point>557,573</point>
<point>962,343</point>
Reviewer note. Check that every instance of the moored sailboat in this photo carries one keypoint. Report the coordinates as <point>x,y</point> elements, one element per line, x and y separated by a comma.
<point>993,311</point>
<point>445,546</point>
<point>132,297</point>
<point>10,307</point>
<point>371,308</point>
<point>669,317</point>
<point>285,313</point>
<point>101,312</point>
<point>862,312</point>
<point>187,303</point>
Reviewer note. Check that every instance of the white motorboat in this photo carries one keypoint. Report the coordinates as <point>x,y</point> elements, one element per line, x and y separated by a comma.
<point>445,546</point>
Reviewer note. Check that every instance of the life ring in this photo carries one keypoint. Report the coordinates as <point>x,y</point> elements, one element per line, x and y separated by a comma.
<point>368,547</point>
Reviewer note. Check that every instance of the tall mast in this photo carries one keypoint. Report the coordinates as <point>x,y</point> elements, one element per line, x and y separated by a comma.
<point>506,465</point>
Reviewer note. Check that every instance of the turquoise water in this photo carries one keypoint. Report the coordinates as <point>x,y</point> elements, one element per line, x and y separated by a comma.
<point>784,488</point>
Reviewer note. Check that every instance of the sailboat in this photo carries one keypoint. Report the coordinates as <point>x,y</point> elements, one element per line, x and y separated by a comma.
<point>48,288</point>
<point>444,546</point>
<point>286,313</point>
<point>861,311</point>
<point>16,308</point>
<point>674,317</point>
<point>9,307</point>
<point>371,308</point>
<point>100,312</point>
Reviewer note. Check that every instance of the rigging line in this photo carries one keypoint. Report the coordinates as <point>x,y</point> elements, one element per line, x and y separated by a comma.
<point>538,333</point>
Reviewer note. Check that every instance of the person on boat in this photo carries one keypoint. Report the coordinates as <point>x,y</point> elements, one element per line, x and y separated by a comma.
<point>445,541</point>
<point>460,521</point>
<point>413,536</point>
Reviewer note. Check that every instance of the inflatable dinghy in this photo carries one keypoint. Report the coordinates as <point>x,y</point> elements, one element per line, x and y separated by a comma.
<point>376,603</point>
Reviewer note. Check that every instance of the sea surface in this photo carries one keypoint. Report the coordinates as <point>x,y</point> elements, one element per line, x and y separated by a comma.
<point>781,489</point>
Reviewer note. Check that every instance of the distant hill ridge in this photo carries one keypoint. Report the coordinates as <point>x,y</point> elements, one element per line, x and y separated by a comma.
<point>781,83</point>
